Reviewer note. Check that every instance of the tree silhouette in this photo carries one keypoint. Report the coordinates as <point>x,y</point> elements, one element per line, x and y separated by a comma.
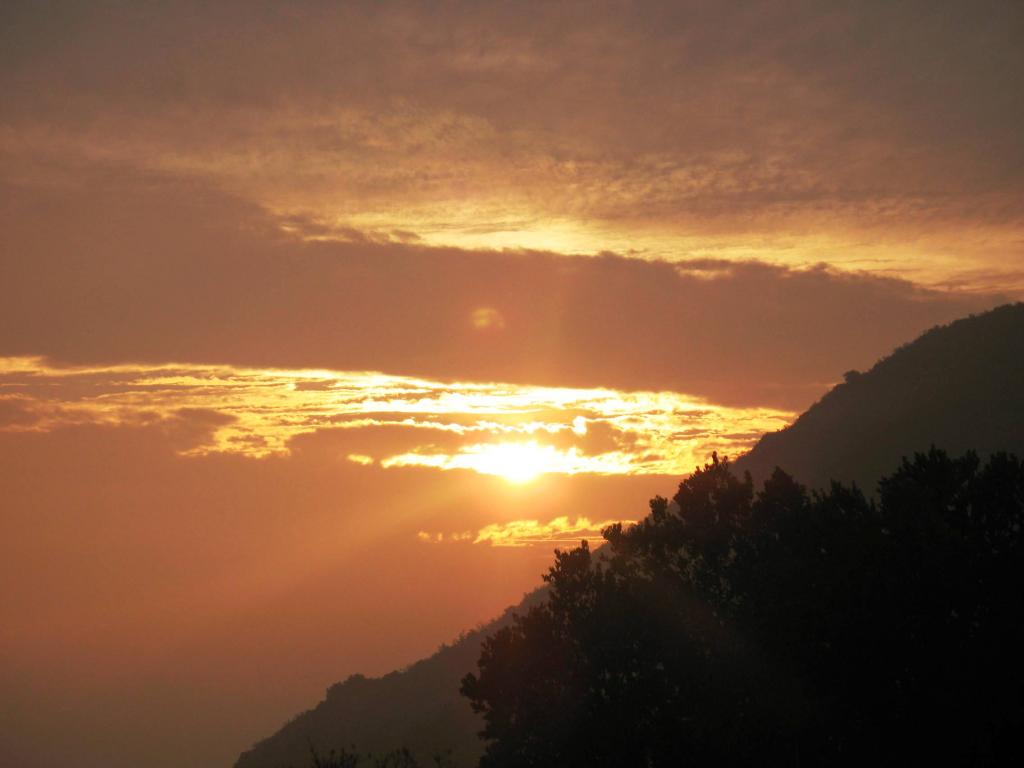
<point>349,758</point>
<point>780,626</point>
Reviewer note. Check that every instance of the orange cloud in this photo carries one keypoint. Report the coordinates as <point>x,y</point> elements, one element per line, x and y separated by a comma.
<point>777,151</point>
<point>559,531</point>
<point>563,531</point>
<point>514,431</point>
<point>178,259</point>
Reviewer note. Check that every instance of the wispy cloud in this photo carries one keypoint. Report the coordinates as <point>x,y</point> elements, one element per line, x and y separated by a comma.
<point>525,533</point>
<point>514,431</point>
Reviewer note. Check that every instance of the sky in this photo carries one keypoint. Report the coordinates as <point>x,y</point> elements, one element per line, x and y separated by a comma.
<point>322,324</point>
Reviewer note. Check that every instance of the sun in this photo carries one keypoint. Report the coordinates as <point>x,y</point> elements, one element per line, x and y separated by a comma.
<point>516,462</point>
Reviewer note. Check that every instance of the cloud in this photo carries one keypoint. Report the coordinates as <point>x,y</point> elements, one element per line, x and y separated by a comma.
<point>154,269</point>
<point>561,530</point>
<point>515,431</point>
<point>855,132</point>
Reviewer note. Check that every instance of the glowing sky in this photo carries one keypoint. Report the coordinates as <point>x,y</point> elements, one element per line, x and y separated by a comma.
<point>322,323</point>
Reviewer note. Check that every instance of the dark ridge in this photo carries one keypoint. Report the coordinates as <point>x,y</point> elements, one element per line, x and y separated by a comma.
<point>958,387</point>
<point>419,707</point>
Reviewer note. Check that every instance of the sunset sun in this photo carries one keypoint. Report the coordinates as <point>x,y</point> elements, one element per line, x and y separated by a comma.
<point>516,462</point>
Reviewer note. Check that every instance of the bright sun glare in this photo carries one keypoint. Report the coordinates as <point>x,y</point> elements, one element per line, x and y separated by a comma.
<point>516,462</point>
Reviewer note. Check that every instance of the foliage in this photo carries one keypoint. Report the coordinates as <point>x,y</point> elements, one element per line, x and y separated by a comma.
<point>777,626</point>
<point>398,758</point>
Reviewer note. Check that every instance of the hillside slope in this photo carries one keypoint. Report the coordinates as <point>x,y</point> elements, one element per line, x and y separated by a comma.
<point>958,387</point>
<point>418,707</point>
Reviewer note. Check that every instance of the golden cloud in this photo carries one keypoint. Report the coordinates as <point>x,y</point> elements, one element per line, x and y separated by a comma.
<point>524,533</point>
<point>513,431</point>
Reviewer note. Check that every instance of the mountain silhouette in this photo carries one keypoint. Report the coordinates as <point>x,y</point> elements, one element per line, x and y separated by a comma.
<point>418,707</point>
<point>958,387</point>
